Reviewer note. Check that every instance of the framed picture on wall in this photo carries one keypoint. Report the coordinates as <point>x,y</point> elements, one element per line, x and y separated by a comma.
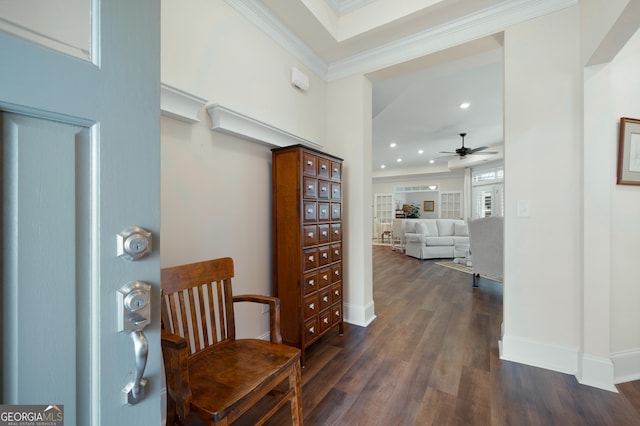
<point>629,152</point>
<point>428,206</point>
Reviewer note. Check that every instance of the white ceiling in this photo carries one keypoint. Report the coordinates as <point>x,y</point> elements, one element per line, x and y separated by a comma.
<point>416,92</point>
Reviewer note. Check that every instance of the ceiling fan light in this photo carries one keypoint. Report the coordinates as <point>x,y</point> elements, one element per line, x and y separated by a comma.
<point>432,161</point>
<point>465,105</point>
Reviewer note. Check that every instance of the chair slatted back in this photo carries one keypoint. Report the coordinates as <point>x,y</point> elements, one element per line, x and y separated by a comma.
<point>197,302</point>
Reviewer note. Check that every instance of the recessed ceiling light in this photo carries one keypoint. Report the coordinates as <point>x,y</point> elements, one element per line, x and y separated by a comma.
<point>465,105</point>
<point>393,144</point>
<point>399,160</point>
<point>382,166</point>
<point>421,151</point>
<point>432,161</point>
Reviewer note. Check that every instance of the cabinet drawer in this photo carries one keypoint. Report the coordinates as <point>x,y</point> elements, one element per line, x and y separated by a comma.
<point>310,282</point>
<point>336,314</point>
<point>336,273</point>
<point>325,320</point>
<point>310,187</point>
<point>336,252</point>
<point>336,193</point>
<point>324,277</point>
<point>323,234</point>
<point>324,255</point>
<point>310,259</point>
<point>309,162</point>
<point>311,329</point>
<point>310,235</point>
<point>336,293</point>
<point>325,298</point>
<point>323,168</point>
<point>311,306</point>
<point>310,212</point>
<point>336,211</point>
<point>336,232</point>
<point>336,170</point>
<point>324,190</point>
<point>323,212</point>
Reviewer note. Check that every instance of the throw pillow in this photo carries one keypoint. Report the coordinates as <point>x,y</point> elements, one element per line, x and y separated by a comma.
<point>421,228</point>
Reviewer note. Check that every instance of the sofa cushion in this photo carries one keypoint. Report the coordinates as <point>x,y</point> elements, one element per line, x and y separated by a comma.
<point>461,229</point>
<point>420,228</point>
<point>439,241</point>
<point>445,227</point>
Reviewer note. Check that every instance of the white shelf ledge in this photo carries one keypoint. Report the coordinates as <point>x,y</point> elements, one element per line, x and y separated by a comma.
<point>229,121</point>
<point>178,104</point>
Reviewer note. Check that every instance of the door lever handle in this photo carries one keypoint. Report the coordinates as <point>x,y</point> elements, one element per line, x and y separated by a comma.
<point>134,391</point>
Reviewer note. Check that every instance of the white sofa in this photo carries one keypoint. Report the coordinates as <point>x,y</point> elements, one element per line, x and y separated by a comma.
<point>435,238</point>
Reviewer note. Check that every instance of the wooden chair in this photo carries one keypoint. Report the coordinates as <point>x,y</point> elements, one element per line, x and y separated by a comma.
<point>212,377</point>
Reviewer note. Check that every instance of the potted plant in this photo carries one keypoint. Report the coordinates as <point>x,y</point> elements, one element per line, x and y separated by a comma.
<point>413,212</point>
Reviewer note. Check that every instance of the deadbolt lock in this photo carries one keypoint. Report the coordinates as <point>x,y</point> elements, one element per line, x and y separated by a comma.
<point>134,243</point>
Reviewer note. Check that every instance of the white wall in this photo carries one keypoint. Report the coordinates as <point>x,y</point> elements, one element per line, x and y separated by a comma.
<point>216,188</point>
<point>610,264</point>
<point>349,137</point>
<point>543,166</point>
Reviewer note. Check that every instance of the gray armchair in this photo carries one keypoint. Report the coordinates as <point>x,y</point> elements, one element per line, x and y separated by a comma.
<point>486,241</point>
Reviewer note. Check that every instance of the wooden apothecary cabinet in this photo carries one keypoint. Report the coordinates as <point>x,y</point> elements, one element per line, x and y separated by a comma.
<point>307,243</point>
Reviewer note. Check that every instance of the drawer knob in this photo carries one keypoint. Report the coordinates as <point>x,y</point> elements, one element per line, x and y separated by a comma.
<point>326,320</point>
<point>335,190</point>
<point>310,258</point>
<point>309,211</point>
<point>325,277</point>
<point>323,189</point>
<point>312,306</point>
<point>325,255</point>
<point>326,298</point>
<point>336,232</point>
<point>323,167</point>
<point>324,233</point>
<point>310,187</point>
<point>310,234</point>
<point>324,211</point>
<point>337,272</point>
<point>335,170</point>
<point>337,252</point>
<point>312,330</point>
<point>309,163</point>
<point>337,313</point>
<point>337,293</point>
<point>312,283</point>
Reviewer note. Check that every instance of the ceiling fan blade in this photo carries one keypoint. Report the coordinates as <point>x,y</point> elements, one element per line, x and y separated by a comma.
<point>448,152</point>
<point>446,156</point>
<point>484,153</point>
<point>480,148</point>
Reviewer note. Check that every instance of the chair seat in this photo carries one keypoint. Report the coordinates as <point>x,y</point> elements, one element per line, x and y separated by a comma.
<point>240,368</point>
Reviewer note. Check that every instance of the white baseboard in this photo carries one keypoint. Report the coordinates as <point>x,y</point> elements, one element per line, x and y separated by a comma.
<point>597,372</point>
<point>589,370</point>
<point>361,315</point>
<point>626,366</point>
<point>563,359</point>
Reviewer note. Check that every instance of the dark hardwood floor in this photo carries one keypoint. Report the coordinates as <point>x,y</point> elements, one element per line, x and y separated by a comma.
<point>431,358</point>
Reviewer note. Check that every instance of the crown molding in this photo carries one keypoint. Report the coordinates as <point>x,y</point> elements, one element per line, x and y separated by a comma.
<point>178,104</point>
<point>262,18</point>
<point>226,120</point>
<point>470,27</point>
<point>342,7</point>
<point>479,24</point>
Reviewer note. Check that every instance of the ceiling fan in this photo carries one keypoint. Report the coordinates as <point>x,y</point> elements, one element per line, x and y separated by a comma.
<point>463,151</point>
